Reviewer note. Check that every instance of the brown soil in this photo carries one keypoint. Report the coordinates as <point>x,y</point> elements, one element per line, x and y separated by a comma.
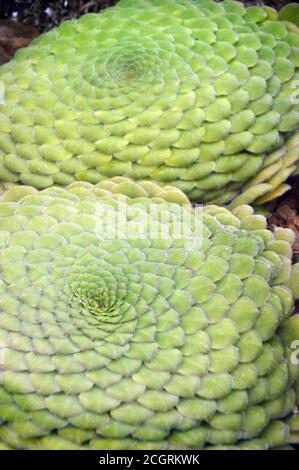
<point>285,212</point>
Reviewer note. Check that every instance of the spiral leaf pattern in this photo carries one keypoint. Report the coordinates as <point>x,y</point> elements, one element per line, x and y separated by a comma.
<point>141,342</point>
<point>196,94</point>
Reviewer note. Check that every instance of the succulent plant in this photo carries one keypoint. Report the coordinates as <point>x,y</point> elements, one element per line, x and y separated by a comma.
<point>199,95</point>
<point>148,339</point>
<point>129,318</point>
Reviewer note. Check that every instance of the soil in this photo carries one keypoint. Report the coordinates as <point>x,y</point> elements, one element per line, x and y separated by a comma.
<point>44,14</point>
<point>285,212</point>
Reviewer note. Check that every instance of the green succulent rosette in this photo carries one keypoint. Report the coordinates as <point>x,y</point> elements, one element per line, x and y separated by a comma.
<point>155,341</point>
<point>196,94</point>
